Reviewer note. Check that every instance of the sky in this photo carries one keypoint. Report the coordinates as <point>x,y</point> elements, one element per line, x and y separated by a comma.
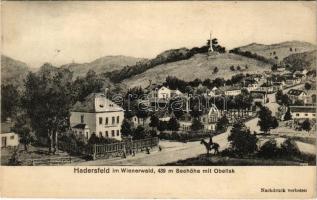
<point>63,32</point>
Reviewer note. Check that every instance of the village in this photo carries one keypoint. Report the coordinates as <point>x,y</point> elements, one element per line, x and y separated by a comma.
<point>151,125</point>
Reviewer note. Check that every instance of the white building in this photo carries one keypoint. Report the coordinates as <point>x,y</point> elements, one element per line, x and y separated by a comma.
<point>166,93</point>
<point>214,92</point>
<point>296,95</point>
<point>303,112</point>
<point>8,138</point>
<point>232,91</point>
<point>97,115</point>
<point>185,125</point>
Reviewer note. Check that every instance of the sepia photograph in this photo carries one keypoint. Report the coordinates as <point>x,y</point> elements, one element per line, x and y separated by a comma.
<point>158,99</point>
<point>158,84</point>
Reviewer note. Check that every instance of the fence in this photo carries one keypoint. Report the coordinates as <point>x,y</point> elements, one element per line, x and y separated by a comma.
<point>119,149</point>
<point>48,161</point>
<point>122,149</point>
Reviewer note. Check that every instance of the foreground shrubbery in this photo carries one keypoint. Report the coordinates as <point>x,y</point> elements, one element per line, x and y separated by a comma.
<point>288,149</point>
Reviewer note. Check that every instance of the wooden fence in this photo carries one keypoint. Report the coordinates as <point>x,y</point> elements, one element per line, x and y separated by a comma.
<point>122,149</point>
<point>119,149</point>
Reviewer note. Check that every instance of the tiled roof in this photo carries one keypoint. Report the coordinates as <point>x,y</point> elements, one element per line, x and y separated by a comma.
<point>304,109</point>
<point>88,105</point>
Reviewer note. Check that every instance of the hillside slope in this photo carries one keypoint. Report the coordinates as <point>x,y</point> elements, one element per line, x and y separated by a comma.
<point>101,65</point>
<point>305,60</point>
<point>281,50</point>
<point>12,71</point>
<point>199,66</point>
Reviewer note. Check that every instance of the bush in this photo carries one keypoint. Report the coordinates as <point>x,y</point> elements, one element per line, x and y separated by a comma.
<point>269,149</point>
<point>289,148</point>
<point>241,140</point>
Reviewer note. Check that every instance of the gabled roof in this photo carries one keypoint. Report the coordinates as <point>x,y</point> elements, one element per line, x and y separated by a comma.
<point>88,105</point>
<point>304,109</point>
<point>80,126</point>
<point>295,92</point>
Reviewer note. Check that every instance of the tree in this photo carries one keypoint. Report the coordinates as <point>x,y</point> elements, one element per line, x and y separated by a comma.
<point>126,128</point>
<point>154,121</point>
<point>196,112</point>
<point>269,149</point>
<point>216,70</point>
<point>306,125</point>
<point>274,67</point>
<point>196,125</point>
<point>162,126</point>
<point>307,86</point>
<point>10,99</point>
<point>266,120</point>
<point>285,100</point>
<point>241,140</point>
<point>289,148</point>
<point>288,115</point>
<point>274,123</point>
<point>83,86</point>
<point>232,68</point>
<point>238,68</point>
<point>173,124</point>
<point>93,139</point>
<point>139,133</point>
<point>47,100</point>
<point>23,131</point>
<point>222,124</point>
<point>142,112</point>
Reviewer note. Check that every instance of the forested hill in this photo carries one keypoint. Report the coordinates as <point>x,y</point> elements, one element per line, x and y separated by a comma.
<point>168,56</point>
<point>12,71</point>
<point>298,61</point>
<point>273,53</point>
<point>101,65</point>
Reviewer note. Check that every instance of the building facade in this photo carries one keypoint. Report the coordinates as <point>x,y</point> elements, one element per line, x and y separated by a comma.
<point>97,115</point>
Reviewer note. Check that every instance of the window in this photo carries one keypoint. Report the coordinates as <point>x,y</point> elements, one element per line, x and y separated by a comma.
<point>314,114</point>
<point>11,137</point>
<point>113,120</point>
<point>112,133</point>
<point>79,132</point>
<point>297,115</point>
<point>87,135</point>
<point>118,119</point>
<point>107,135</point>
<point>100,134</point>
<point>106,121</point>
<point>306,114</point>
<point>100,120</point>
<point>82,119</point>
<point>118,132</point>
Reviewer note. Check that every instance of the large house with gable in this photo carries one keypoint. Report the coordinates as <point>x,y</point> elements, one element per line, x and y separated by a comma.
<point>97,115</point>
<point>297,95</point>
